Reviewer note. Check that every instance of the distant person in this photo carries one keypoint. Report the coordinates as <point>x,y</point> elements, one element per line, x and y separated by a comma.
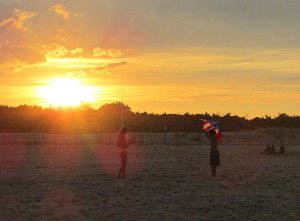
<point>214,152</point>
<point>281,149</point>
<point>123,145</point>
<point>272,150</point>
<point>268,149</point>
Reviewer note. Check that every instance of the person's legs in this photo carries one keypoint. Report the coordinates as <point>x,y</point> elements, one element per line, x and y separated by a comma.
<point>124,163</point>
<point>122,170</point>
<point>214,161</point>
<point>213,170</point>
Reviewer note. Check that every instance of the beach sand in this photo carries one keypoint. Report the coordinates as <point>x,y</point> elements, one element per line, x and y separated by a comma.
<point>163,183</point>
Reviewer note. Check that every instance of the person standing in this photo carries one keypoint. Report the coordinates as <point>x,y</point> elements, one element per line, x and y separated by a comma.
<point>214,152</point>
<point>123,145</point>
<point>273,151</point>
<point>268,149</point>
<point>282,149</point>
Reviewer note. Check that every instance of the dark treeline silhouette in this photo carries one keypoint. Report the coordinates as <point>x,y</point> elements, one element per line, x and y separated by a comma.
<point>107,119</point>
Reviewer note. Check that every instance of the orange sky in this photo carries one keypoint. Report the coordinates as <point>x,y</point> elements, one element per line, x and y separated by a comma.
<point>172,57</point>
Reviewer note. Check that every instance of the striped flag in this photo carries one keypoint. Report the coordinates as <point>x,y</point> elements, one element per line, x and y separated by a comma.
<point>212,125</point>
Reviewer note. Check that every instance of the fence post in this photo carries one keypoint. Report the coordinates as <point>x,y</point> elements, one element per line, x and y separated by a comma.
<point>250,137</point>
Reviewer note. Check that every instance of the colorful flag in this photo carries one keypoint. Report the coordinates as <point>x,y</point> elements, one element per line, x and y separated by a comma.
<point>212,125</point>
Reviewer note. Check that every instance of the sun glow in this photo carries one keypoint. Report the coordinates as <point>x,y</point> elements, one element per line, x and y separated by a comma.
<point>67,92</point>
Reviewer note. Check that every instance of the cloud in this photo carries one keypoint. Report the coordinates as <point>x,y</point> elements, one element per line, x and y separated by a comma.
<point>76,51</point>
<point>77,74</point>
<point>6,23</point>
<point>54,50</point>
<point>16,57</point>
<point>18,21</point>
<point>111,65</point>
<point>100,52</point>
<point>61,35</point>
<point>103,69</point>
<point>61,10</point>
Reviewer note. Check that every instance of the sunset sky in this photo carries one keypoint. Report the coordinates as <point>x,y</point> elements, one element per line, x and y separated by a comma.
<point>174,56</point>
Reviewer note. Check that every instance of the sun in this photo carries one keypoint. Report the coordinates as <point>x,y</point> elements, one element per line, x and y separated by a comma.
<point>67,92</point>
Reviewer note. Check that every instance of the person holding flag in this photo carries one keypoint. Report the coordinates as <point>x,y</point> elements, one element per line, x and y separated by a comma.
<point>214,158</point>
<point>213,133</point>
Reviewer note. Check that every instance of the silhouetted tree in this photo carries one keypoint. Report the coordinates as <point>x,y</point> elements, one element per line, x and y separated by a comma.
<point>107,119</point>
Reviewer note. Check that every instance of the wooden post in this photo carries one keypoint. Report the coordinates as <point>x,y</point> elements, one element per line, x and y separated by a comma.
<point>250,136</point>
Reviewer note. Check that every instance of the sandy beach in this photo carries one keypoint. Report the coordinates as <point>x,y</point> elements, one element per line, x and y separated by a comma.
<point>79,182</point>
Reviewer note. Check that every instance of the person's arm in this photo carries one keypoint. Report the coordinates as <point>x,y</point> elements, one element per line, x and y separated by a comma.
<point>130,142</point>
<point>207,134</point>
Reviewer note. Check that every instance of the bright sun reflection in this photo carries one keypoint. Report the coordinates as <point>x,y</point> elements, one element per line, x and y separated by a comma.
<point>67,92</point>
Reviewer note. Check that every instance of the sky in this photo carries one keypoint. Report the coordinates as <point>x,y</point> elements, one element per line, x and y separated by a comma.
<point>164,56</point>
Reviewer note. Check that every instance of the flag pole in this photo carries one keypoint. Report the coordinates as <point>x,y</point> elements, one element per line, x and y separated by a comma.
<point>122,109</point>
<point>220,131</point>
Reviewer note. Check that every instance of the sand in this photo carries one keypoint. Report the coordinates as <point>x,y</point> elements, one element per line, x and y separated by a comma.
<point>164,183</point>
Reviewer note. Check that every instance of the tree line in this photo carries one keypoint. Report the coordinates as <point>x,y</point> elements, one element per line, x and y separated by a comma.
<point>107,119</point>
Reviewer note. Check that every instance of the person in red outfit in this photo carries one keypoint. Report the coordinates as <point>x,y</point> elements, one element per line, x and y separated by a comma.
<point>123,145</point>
